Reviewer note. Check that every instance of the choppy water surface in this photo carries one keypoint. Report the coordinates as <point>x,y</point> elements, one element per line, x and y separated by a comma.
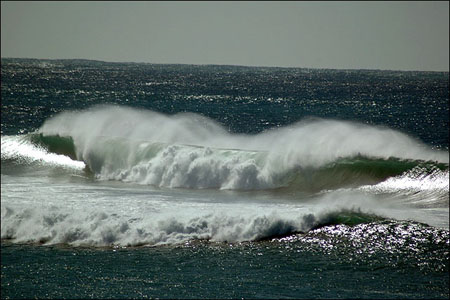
<point>175,181</point>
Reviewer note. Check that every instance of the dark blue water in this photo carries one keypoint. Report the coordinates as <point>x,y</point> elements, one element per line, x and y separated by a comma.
<point>306,266</point>
<point>244,99</point>
<point>69,233</point>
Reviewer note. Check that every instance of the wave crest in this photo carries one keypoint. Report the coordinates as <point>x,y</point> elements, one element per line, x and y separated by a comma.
<point>97,228</point>
<point>191,151</point>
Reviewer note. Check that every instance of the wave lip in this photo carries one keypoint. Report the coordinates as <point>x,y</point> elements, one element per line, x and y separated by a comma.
<point>198,167</point>
<point>191,151</point>
<point>313,141</point>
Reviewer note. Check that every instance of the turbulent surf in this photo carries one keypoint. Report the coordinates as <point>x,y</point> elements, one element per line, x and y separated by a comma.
<point>300,179</point>
<point>191,151</point>
<point>314,158</point>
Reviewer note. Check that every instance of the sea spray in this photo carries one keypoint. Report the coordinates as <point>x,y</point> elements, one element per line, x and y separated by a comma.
<point>323,202</point>
<point>192,151</point>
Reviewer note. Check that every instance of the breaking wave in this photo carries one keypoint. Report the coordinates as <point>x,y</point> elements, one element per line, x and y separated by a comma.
<point>345,168</point>
<point>103,228</point>
<point>190,151</point>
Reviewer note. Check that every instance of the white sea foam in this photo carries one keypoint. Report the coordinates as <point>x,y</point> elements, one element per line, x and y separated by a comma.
<point>151,148</point>
<point>126,221</point>
<point>414,181</point>
<point>21,149</point>
<point>416,188</point>
<point>36,209</point>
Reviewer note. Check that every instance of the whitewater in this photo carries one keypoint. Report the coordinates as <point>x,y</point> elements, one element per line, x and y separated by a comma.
<point>123,180</point>
<point>159,179</point>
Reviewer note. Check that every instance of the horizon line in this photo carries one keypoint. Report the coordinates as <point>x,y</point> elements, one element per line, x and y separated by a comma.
<point>224,65</point>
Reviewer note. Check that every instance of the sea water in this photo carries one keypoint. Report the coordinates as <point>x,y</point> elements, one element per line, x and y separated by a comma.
<point>124,180</point>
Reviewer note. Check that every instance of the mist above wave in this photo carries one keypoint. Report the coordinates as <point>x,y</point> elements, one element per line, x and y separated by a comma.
<point>190,150</point>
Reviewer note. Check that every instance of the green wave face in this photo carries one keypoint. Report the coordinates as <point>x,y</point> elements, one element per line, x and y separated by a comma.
<point>55,144</point>
<point>192,151</point>
<point>361,170</point>
<point>347,217</point>
<point>353,172</point>
<point>205,167</point>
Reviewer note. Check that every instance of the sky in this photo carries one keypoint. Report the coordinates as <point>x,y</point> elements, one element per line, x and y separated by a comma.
<point>335,35</point>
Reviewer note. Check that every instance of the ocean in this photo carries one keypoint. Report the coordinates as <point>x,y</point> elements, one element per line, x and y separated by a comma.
<point>133,180</point>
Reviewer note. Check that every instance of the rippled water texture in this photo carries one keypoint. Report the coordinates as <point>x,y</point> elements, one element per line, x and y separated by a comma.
<point>123,180</point>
